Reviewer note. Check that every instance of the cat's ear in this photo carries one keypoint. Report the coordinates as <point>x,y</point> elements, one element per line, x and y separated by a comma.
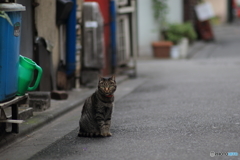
<point>100,78</point>
<point>113,77</point>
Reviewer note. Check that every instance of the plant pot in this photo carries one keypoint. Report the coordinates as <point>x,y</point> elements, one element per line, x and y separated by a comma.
<point>161,49</point>
<point>175,52</point>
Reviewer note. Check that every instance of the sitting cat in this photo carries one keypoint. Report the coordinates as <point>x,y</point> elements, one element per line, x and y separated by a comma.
<point>97,110</point>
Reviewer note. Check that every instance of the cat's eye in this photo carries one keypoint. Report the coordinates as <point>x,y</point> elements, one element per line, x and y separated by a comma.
<point>112,87</point>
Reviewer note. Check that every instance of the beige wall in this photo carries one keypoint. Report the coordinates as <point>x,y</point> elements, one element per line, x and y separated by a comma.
<point>220,8</point>
<point>45,19</point>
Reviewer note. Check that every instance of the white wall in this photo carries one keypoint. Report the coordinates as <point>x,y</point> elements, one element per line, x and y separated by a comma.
<point>175,14</point>
<point>148,28</point>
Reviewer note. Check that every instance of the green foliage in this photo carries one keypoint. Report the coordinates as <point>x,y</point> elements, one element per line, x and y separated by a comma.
<point>215,20</point>
<point>176,32</point>
<point>160,10</point>
<point>189,31</point>
<point>175,38</point>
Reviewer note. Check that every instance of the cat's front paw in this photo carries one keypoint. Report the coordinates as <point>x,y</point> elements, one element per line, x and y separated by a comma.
<point>103,134</point>
<point>106,134</point>
<point>109,134</point>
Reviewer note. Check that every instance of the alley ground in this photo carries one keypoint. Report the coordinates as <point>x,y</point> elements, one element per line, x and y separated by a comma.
<point>174,110</point>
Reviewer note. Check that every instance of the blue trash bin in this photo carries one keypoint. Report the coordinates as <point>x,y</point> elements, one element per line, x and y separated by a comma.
<point>10,29</point>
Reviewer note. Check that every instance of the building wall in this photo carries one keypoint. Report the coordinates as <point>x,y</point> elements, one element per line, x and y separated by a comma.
<point>188,11</point>
<point>26,48</point>
<point>45,19</point>
<point>147,27</point>
<point>175,14</point>
<point>220,9</point>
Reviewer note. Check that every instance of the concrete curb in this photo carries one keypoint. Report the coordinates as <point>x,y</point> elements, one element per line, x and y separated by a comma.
<point>57,109</point>
<point>195,48</point>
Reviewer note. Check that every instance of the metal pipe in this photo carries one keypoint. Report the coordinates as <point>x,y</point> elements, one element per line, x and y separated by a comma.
<point>71,41</point>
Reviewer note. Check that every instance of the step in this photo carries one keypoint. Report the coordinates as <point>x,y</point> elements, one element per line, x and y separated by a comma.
<point>24,113</point>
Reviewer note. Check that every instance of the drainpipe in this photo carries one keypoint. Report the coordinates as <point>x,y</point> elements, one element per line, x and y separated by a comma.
<point>71,41</point>
<point>113,28</point>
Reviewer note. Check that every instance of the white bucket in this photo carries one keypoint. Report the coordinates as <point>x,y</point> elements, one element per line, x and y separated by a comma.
<point>175,53</point>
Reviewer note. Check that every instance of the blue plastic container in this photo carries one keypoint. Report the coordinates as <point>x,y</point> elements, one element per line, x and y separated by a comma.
<point>10,29</point>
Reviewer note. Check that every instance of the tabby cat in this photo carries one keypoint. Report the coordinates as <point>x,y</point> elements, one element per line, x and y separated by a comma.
<point>97,110</point>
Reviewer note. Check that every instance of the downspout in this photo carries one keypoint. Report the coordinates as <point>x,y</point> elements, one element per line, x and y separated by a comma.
<point>71,41</point>
<point>113,36</point>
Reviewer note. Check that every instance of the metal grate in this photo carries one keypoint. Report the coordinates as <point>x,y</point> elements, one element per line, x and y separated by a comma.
<point>123,39</point>
<point>93,43</point>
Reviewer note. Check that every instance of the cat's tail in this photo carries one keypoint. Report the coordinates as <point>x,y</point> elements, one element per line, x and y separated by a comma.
<point>84,134</point>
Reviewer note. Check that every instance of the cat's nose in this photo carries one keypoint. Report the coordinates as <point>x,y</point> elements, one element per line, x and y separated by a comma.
<point>106,89</point>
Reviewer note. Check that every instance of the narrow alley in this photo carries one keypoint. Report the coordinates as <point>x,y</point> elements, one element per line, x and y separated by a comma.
<point>175,109</point>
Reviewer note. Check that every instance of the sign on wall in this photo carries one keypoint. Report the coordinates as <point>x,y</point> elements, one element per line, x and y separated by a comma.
<point>204,11</point>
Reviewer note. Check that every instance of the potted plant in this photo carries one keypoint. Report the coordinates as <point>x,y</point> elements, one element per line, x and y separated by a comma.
<point>180,35</point>
<point>189,31</point>
<point>189,35</point>
<point>174,33</point>
<point>161,49</point>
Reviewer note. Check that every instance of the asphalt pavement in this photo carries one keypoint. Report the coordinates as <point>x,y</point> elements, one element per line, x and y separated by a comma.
<point>175,110</point>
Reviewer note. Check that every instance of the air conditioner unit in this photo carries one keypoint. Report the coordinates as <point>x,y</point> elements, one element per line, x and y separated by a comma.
<point>122,2</point>
<point>123,39</point>
<point>93,36</point>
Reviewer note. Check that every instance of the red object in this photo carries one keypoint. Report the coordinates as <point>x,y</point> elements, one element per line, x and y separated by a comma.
<point>104,7</point>
<point>237,8</point>
<point>109,96</point>
<point>161,49</point>
<point>205,30</point>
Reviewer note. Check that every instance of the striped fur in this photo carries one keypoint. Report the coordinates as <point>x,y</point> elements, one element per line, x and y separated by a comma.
<point>97,110</point>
